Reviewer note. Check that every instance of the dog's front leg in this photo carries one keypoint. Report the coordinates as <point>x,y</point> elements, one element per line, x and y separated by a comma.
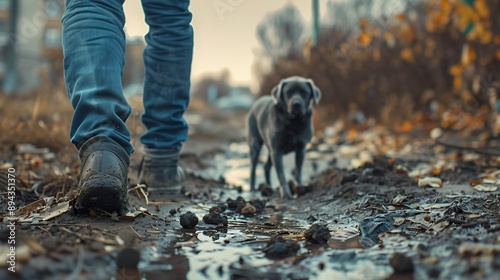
<point>277,157</point>
<point>300,153</point>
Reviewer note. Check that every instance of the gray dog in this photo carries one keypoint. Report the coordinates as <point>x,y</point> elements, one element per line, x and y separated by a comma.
<point>282,122</point>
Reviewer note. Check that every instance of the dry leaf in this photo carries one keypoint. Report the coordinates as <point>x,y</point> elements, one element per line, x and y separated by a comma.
<point>483,188</point>
<point>430,182</point>
<point>475,182</point>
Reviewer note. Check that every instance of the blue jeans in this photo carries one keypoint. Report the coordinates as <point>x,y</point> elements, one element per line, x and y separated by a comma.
<point>94,57</point>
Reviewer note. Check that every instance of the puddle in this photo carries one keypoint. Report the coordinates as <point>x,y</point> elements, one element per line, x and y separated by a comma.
<point>236,252</point>
<point>234,166</point>
<point>202,255</point>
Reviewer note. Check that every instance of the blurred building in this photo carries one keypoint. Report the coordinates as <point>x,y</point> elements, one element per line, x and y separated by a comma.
<point>31,56</point>
<point>239,97</point>
<point>30,40</point>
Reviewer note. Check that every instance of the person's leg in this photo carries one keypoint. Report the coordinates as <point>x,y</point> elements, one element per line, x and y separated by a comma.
<point>94,48</point>
<point>167,58</point>
<point>94,57</point>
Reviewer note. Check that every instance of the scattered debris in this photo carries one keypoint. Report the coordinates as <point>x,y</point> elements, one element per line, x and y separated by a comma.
<point>398,199</point>
<point>430,182</point>
<point>35,206</point>
<point>475,249</point>
<point>484,188</point>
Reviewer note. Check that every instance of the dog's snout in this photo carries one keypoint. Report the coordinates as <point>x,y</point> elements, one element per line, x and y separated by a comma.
<point>296,104</point>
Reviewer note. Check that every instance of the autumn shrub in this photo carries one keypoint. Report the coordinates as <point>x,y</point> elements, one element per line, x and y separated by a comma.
<point>448,50</point>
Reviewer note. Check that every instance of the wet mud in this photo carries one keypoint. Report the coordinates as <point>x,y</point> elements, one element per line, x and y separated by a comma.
<point>368,220</point>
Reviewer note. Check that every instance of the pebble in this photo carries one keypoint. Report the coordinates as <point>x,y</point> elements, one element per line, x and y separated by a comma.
<point>188,220</point>
<point>318,233</point>
<point>128,258</point>
<point>401,263</point>
<point>248,210</point>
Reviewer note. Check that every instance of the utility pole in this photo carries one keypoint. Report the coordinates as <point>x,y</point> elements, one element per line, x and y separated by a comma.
<point>11,72</point>
<point>315,22</point>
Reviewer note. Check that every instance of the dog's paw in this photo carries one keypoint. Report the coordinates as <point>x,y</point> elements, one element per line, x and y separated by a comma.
<point>287,193</point>
<point>297,189</point>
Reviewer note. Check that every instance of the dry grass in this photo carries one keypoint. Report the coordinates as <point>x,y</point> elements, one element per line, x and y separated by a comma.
<point>41,119</point>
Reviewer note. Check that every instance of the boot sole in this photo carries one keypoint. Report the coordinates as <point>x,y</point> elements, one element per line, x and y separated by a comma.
<point>99,195</point>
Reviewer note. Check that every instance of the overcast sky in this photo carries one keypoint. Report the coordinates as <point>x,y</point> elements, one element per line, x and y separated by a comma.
<point>223,39</point>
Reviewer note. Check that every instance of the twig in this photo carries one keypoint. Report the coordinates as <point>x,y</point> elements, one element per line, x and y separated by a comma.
<point>493,229</point>
<point>140,187</point>
<point>135,232</point>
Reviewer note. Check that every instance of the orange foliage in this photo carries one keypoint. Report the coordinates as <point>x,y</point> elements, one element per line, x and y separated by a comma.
<point>442,50</point>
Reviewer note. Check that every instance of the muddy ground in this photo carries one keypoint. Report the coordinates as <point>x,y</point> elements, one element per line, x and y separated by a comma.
<point>360,215</point>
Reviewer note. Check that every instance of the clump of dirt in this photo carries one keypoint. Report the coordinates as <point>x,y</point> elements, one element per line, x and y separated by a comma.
<point>235,204</point>
<point>128,258</point>
<point>265,190</point>
<point>222,206</point>
<point>318,233</point>
<point>278,247</point>
<point>215,217</point>
<point>401,263</point>
<point>248,210</point>
<point>241,206</point>
<point>382,177</point>
<point>216,209</point>
<point>188,220</point>
<point>258,204</point>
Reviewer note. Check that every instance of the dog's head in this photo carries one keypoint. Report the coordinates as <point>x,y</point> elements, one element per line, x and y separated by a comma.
<point>296,94</point>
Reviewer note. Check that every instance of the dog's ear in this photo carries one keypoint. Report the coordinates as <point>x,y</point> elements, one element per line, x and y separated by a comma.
<point>315,91</point>
<point>276,92</point>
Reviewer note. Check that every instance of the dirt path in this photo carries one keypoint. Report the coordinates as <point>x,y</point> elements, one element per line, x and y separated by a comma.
<point>380,223</point>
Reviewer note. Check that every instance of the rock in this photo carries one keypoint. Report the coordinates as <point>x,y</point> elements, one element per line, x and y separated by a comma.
<point>172,211</point>
<point>222,206</point>
<point>278,247</point>
<point>233,204</point>
<point>215,209</point>
<point>318,233</point>
<point>351,177</point>
<point>128,258</point>
<point>312,219</point>
<point>258,204</point>
<point>265,190</point>
<point>188,220</point>
<point>401,263</point>
<point>215,218</point>
<point>248,210</point>
<point>240,206</point>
